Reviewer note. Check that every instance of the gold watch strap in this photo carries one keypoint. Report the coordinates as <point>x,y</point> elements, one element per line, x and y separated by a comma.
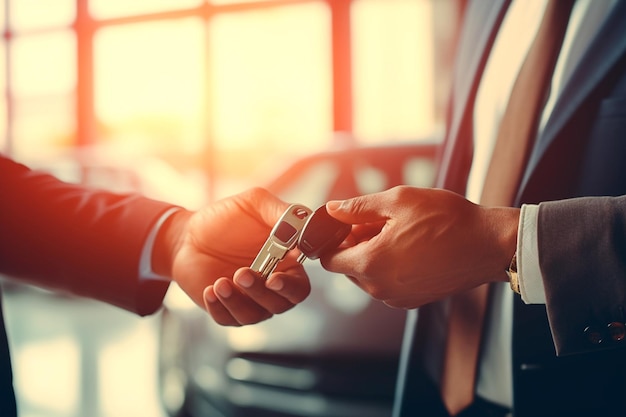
<point>512,273</point>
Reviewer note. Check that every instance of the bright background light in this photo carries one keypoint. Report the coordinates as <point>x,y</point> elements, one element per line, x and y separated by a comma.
<point>188,101</point>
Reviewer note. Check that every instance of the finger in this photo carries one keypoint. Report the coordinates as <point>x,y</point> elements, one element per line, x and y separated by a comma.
<point>215,308</point>
<point>292,284</point>
<point>267,205</point>
<point>253,285</point>
<point>362,232</point>
<point>363,209</point>
<point>347,260</point>
<point>243,309</point>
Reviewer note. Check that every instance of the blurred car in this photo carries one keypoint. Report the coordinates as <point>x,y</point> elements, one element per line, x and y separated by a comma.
<point>334,355</point>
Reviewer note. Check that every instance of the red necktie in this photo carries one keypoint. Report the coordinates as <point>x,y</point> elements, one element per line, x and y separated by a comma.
<point>516,134</point>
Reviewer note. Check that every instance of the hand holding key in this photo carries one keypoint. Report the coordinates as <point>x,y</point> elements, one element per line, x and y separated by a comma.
<point>313,233</point>
<point>220,241</point>
<point>411,246</point>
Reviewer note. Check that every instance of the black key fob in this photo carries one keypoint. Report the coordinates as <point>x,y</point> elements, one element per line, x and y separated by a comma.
<point>321,233</point>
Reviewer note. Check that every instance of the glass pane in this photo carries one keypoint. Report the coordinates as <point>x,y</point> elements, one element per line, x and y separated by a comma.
<point>44,64</point>
<point>271,86</point>
<point>152,98</point>
<point>393,69</point>
<point>102,9</point>
<point>36,14</point>
<point>42,127</point>
<point>149,105</point>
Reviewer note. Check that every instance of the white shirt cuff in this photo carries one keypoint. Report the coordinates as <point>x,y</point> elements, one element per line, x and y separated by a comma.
<point>528,271</point>
<point>145,262</point>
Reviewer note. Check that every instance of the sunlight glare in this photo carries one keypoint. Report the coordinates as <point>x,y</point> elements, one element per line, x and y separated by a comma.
<point>44,64</point>
<point>148,83</point>
<point>59,357</point>
<point>271,78</point>
<point>393,69</point>
<point>38,14</point>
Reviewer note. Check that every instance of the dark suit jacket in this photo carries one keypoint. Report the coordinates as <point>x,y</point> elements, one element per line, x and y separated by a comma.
<point>568,356</point>
<point>65,237</point>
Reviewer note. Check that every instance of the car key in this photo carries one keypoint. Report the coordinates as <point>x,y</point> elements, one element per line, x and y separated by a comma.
<point>321,233</point>
<point>283,237</point>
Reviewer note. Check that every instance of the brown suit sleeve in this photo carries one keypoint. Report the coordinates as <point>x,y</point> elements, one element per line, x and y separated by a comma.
<point>66,237</point>
<point>582,254</point>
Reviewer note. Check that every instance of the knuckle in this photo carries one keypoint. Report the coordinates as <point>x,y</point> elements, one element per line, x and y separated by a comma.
<point>379,292</point>
<point>227,322</point>
<point>306,291</point>
<point>257,193</point>
<point>297,297</point>
<point>354,205</point>
<point>399,193</point>
<point>283,308</point>
<point>377,288</point>
<point>256,319</point>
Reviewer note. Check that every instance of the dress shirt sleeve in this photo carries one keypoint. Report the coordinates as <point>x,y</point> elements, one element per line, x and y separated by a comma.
<point>145,262</point>
<point>529,272</point>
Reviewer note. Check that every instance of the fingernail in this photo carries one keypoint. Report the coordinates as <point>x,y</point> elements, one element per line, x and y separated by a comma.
<point>275,284</point>
<point>223,289</point>
<point>245,280</point>
<point>334,205</point>
<point>209,295</point>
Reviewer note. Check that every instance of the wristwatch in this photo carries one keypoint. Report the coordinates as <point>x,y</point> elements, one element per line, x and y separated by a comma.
<point>512,273</point>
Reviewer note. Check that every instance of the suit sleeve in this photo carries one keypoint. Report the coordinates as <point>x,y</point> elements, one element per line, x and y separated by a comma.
<point>82,241</point>
<point>582,255</point>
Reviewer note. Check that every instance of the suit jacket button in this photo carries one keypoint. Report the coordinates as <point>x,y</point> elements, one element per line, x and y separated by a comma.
<point>594,335</point>
<point>617,331</point>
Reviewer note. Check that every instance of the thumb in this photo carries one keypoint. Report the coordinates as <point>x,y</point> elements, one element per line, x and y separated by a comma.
<point>357,210</point>
<point>264,204</point>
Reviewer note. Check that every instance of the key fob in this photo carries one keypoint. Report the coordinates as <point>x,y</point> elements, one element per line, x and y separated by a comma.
<point>321,233</point>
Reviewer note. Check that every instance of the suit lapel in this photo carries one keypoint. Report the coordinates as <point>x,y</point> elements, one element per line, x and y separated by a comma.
<point>483,19</point>
<point>604,52</point>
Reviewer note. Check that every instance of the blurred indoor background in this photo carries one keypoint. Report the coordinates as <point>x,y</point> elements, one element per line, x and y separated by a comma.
<point>188,101</point>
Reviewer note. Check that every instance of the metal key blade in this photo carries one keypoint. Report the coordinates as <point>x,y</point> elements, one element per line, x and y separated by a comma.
<point>270,254</point>
<point>283,237</point>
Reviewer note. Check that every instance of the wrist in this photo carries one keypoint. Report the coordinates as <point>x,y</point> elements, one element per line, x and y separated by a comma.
<point>510,249</point>
<point>507,223</point>
<point>168,241</point>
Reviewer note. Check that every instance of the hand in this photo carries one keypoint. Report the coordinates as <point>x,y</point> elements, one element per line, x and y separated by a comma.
<point>411,246</point>
<point>210,248</point>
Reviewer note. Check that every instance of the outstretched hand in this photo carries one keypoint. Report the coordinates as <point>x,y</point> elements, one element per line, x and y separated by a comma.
<point>411,246</point>
<point>210,251</point>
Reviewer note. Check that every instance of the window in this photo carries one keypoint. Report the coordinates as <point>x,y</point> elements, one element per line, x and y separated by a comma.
<point>43,81</point>
<point>150,100</point>
<point>392,69</point>
<point>221,91</point>
<point>270,85</point>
